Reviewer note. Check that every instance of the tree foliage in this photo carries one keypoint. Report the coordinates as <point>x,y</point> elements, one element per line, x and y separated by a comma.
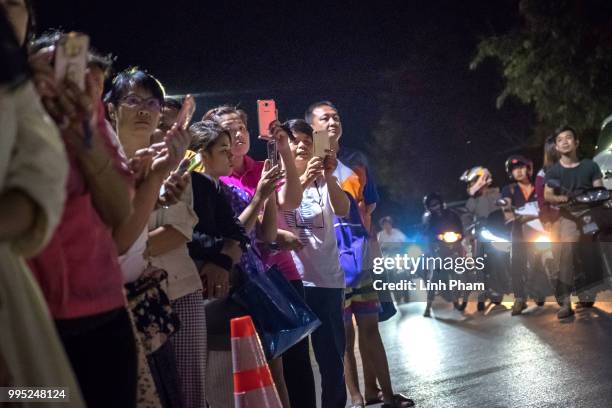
<point>558,61</point>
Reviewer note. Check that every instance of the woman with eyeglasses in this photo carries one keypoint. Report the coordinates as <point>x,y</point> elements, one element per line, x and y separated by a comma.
<point>134,105</point>
<point>318,262</point>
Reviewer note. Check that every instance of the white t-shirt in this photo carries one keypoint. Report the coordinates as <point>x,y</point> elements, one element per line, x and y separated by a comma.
<point>313,224</point>
<point>394,237</point>
<point>183,277</point>
<point>133,262</point>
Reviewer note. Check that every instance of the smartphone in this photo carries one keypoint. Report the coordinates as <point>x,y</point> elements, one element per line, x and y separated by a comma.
<point>195,162</point>
<point>266,114</point>
<point>71,53</point>
<point>186,113</point>
<point>189,165</point>
<point>320,143</point>
<point>273,152</point>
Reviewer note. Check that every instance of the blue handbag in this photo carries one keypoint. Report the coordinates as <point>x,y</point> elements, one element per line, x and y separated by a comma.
<point>282,318</point>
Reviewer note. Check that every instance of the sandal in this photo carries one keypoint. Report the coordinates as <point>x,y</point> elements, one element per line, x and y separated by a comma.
<point>400,401</point>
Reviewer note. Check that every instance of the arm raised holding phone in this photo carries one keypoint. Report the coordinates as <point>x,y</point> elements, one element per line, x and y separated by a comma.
<point>337,197</point>
<point>289,195</point>
<point>165,156</point>
<point>80,118</point>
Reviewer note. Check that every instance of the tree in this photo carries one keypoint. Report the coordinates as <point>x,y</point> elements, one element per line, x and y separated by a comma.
<point>559,62</point>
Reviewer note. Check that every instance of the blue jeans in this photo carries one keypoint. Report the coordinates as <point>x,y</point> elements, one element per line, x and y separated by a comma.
<point>328,343</point>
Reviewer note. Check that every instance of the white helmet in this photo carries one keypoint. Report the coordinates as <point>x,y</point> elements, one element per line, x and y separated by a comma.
<point>476,178</point>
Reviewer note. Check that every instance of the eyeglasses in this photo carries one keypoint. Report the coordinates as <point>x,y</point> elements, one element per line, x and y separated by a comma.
<point>135,101</point>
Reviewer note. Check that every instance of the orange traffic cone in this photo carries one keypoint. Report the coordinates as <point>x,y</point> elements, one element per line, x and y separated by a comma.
<point>253,385</point>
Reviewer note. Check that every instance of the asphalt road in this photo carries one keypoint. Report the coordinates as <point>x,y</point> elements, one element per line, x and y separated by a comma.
<point>492,359</point>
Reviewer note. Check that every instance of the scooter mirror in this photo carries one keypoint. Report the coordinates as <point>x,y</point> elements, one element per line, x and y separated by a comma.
<point>502,202</point>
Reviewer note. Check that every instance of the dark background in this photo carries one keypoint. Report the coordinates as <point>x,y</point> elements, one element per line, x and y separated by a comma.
<point>297,53</point>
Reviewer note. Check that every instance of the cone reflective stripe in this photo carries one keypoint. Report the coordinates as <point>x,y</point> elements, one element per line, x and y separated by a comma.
<point>253,385</point>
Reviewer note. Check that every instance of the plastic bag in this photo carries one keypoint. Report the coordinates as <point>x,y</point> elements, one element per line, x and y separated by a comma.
<point>281,316</point>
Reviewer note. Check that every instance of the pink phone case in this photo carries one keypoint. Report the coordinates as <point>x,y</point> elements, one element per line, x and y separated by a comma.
<point>266,114</point>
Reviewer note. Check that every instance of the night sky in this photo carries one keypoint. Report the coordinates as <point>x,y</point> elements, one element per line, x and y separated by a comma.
<point>297,53</point>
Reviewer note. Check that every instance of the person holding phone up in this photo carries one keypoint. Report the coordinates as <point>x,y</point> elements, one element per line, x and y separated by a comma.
<point>33,172</point>
<point>317,262</point>
<point>361,301</point>
<point>246,173</point>
<point>89,313</point>
<point>236,221</point>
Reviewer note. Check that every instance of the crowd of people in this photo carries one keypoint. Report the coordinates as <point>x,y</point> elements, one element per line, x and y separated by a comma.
<point>123,235</point>
<point>563,176</point>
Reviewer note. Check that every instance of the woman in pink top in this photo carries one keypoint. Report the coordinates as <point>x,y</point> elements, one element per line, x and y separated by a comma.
<point>78,271</point>
<point>246,173</point>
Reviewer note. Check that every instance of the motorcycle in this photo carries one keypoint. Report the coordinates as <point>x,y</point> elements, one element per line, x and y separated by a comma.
<point>447,244</point>
<point>591,209</point>
<point>491,240</point>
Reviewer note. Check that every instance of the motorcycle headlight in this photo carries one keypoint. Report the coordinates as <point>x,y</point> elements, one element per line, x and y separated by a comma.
<point>449,237</point>
<point>542,242</point>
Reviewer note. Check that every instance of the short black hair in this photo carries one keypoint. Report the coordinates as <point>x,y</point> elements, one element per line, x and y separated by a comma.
<point>564,128</point>
<point>312,107</point>
<point>205,134</point>
<point>134,76</point>
<point>297,125</point>
<point>173,103</point>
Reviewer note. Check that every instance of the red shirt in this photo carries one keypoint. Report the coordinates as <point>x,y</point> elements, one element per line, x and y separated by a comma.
<point>247,181</point>
<point>78,271</point>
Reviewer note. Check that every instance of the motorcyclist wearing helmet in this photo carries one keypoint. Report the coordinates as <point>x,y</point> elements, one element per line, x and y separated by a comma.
<point>518,193</point>
<point>481,203</point>
<point>437,220</point>
<point>483,196</point>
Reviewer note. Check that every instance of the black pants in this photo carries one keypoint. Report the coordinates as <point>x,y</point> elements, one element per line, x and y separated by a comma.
<point>102,352</point>
<point>298,370</point>
<point>162,363</point>
<point>522,262</point>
